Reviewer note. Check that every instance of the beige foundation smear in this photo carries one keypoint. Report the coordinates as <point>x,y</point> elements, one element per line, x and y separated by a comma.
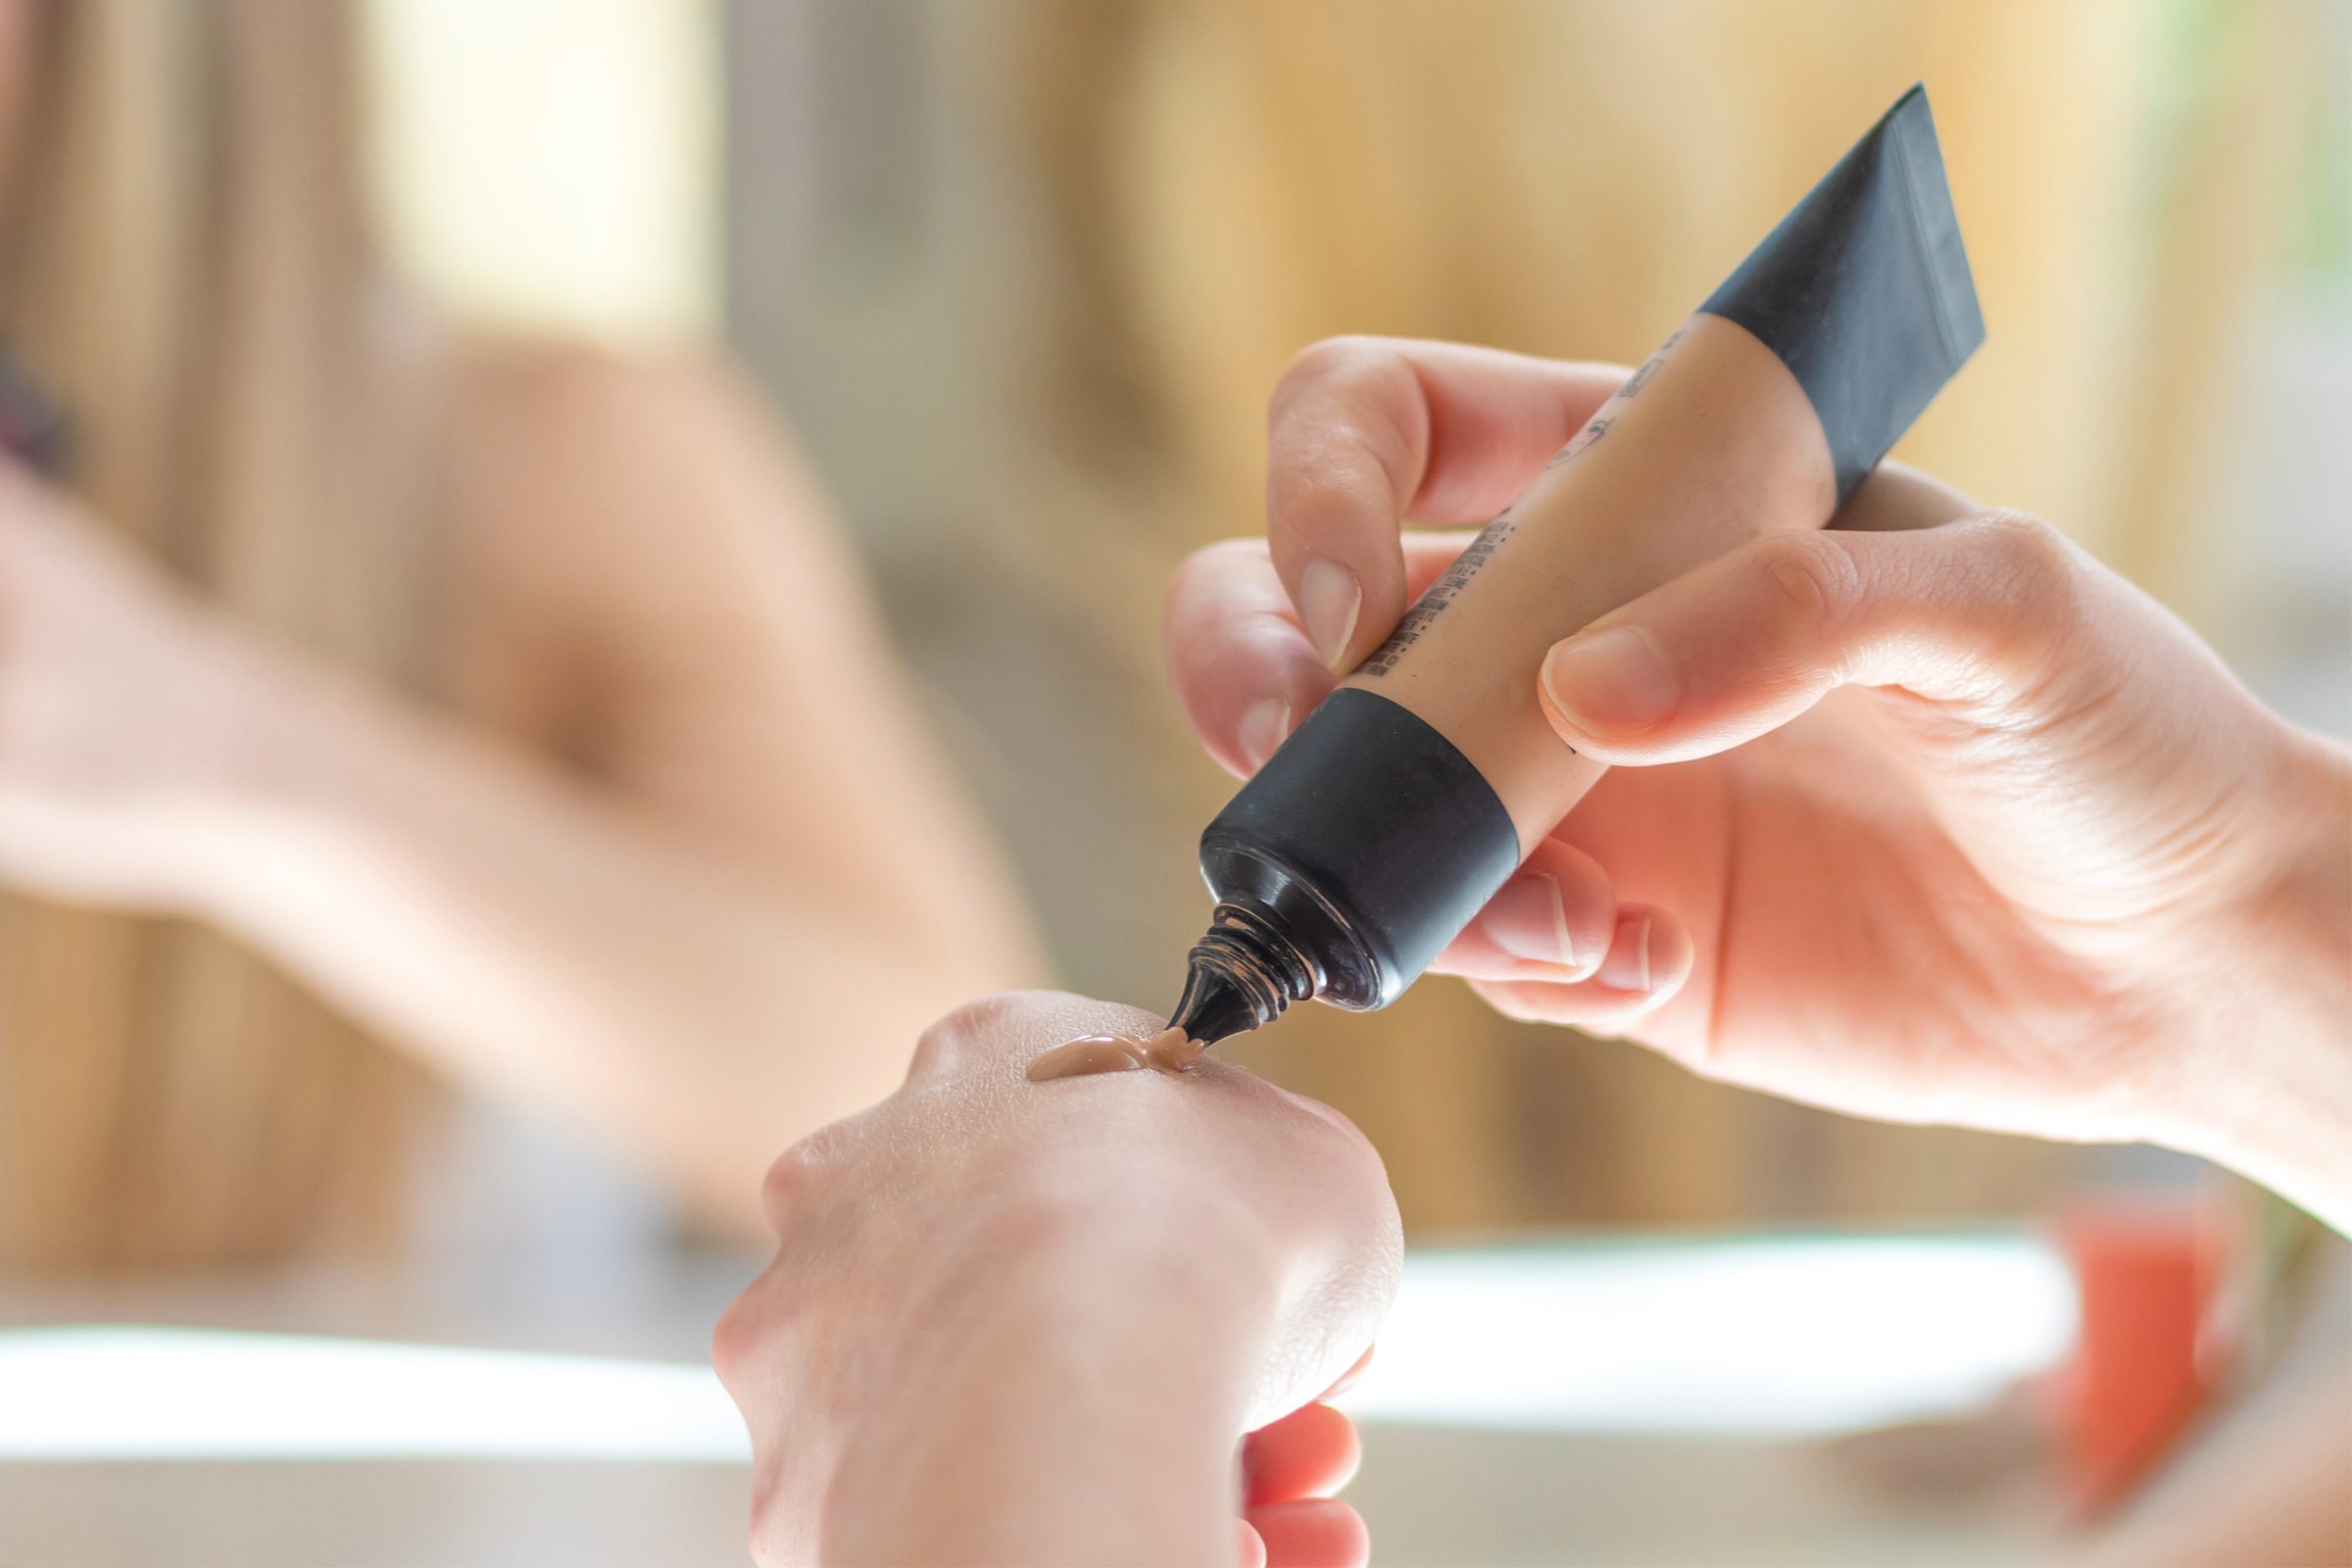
<point>1170,1051</point>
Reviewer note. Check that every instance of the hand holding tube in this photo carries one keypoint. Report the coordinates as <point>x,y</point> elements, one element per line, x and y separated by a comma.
<point>1958,827</point>
<point>1373,836</point>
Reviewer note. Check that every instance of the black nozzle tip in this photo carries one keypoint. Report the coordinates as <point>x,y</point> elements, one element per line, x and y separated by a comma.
<point>1240,976</point>
<point>1214,1006</point>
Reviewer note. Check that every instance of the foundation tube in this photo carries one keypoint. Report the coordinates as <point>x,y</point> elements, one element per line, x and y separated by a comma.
<point>1375,834</point>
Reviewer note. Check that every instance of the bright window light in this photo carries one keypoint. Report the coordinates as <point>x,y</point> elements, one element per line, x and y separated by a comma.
<point>190,1394</point>
<point>1791,1335</point>
<point>552,165</point>
<point>1768,1335</point>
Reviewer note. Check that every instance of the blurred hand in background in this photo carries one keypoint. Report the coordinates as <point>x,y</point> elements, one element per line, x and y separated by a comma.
<point>371,681</point>
<point>114,712</point>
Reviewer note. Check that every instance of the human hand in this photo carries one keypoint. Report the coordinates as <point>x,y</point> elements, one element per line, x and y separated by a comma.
<point>1927,819</point>
<point>1014,1321</point>
<point>1292,1473</point>
<point>123,705</point>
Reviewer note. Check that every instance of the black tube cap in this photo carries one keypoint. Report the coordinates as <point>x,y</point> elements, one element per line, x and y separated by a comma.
<point>1864,291</point>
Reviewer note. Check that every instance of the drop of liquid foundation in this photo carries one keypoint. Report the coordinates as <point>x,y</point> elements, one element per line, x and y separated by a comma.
<point>1169,1051</point>
<point>1172,1051</point>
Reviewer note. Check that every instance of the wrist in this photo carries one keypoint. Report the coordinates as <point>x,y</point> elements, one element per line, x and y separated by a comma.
<point>2271,1092</point>
<point>1035,1409</point>
<point>207,693</point>
<point>242,788</point>
<point>309,760</point>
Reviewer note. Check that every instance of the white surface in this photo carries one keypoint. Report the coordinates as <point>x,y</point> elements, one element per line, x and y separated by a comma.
<point>1780,1335</point>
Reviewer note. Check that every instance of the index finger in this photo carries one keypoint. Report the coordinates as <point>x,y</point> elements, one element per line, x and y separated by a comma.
<point>1366,433</point>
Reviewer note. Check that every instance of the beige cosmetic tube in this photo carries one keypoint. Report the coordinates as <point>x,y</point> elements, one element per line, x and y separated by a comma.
<point>1379,829</point>
<point>1714,439</point>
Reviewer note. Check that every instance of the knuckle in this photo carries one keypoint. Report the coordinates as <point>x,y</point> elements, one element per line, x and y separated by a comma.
<point>988,1028</point>
<point>2036,571</point>
<point>1203,579</point>
<point>2029,551</point>
<point>940,1046</point>
<point>736,1336</point>
<point>2013,538</point>
<point>1811,579</point>
<point>1347,434</point>
<point>1364,381</point>
<point>1354,360</point>
<point>789,1179</point>
<point>1208,586</point>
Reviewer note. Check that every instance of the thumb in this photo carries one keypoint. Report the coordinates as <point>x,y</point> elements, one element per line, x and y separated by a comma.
<point>1973,614</point>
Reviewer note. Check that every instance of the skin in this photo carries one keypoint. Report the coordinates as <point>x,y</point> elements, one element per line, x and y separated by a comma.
<point>669,861</point>
<point>1028,1322</point>
<point>669,858</point>
<point>1926,819</point>
<point>596,877</point>
<point>667,855</point>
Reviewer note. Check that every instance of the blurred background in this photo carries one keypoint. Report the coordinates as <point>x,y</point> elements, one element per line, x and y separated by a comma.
<point>1017,276</point>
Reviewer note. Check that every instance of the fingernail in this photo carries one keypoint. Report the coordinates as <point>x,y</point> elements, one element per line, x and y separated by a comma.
<point>1528,919</point>
<point>1263,728</point>
<point>1626,966</point>
<point>1329,601</point>
<point>1612,682</point>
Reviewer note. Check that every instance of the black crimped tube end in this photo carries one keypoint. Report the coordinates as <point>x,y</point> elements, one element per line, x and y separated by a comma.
<point>1864,289</point>
<point>1241,975</point>
<point>1943,259</point>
